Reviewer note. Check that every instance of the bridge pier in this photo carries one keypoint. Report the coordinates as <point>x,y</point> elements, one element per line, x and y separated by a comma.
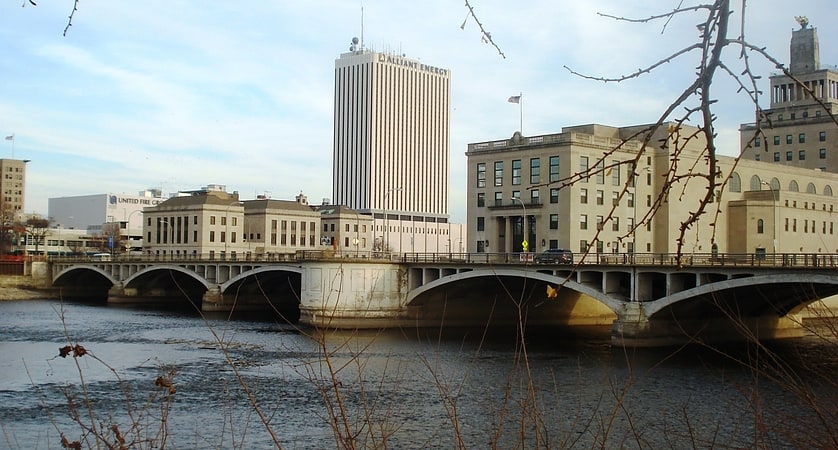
<point>354,295</point>
<point>214,301</point>
<point>633,329</point>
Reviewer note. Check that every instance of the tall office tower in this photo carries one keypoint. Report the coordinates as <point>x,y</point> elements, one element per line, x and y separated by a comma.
<point>13,187</point>
<point>797,129</point>
<point>391,136</point>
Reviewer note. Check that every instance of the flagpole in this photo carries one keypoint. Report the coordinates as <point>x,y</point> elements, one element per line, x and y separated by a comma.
<point>11,137</point>
<point>521,112</point>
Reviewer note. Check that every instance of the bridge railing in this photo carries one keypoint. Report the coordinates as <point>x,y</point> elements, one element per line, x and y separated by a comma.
<point>806,260</point>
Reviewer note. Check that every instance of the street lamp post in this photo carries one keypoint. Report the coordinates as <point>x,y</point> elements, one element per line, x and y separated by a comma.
<point>357,239</point>
<point>128,228</point>
<point>525,243</point>
<point>774,200</point>
<point>387,220</point>
<point>634,216</point>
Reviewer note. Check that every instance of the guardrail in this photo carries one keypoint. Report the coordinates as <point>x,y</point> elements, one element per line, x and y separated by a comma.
<point>811,260</point>
<point>805,260</point>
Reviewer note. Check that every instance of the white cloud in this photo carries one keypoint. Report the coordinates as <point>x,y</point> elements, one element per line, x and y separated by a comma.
<point>183,94</point>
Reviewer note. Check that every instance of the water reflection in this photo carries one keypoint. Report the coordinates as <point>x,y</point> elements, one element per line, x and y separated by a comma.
<point>407,388</point>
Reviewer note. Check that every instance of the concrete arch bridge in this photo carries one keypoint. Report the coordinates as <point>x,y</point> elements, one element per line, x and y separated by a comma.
<point>651,300</point>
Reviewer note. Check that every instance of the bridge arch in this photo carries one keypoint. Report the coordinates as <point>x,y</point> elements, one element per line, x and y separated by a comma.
<point>256,271</point>
<point>81,269</point>
<point>779,294</point>
<point>144,275</point>
<point>84,282</point>
<point>610,302</point>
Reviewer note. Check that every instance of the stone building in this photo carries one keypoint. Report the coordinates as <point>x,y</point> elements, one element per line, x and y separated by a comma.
<point>799,128</point>
<point>556,191</point>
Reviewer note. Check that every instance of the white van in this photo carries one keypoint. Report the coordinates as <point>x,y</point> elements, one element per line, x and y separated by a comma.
<point>101,257</point>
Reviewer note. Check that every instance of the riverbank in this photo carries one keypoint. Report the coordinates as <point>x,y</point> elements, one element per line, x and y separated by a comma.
<point>21,288</point>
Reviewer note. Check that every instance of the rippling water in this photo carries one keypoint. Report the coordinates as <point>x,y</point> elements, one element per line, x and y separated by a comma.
<point>399,388</point>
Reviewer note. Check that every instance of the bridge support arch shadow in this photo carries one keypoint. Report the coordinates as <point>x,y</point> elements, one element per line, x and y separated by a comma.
<point>508,297</point>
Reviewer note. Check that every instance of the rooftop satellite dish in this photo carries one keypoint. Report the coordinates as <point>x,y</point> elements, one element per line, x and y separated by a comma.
<point>355,41</point>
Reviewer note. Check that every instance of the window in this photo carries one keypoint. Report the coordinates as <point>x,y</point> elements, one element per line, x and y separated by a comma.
<point>583,168</point>
<point>631,199</point>
<point>498,198</point>
<point>481,224</point>
<point>615,198</point>
<point>760,226</point>
<point>776,140</point>
<point>757,157</point>
<point>212,220</point>
<point>498,173</point>
<point>554,195</point>
<point>516,172</point>
<point>535,170</point>
<point>554,168</point>
<point>757,142</point>
<point>583,221</point>
<point>535,197</point>
<point>481,174</point>
<point>600,172</point>
<point>822,153</point>
<point>801,155</point>
<point>583,196</point>
<point>822,136</point>
<point>554,221</point>
<point>615,224</point>
<point>599,248</point>
<point>599,220</point>
<point>212,236</point>
<point>583,246</point>
<point>789,155</point>
<point>481,199</point>
<point>801,138</point>
<point>789,139</point>
<point>776,156</point>
<point>600,197</point>
<point>224,221</point>
<point>615,174</point>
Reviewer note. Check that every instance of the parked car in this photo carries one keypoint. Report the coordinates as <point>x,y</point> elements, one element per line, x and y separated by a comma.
<point>101,257</point>
<point>555,256</point>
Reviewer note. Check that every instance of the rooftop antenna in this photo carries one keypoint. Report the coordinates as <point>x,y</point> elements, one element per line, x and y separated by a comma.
<point>358,46</point>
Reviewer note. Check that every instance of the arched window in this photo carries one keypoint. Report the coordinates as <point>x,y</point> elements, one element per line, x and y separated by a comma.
<point>827,190</point>
<point>755,183</point>
<point>775,184</point>
<point>760,226</point>
<point>735,182</point>
<point>810,188</point>
<point>793,186</point>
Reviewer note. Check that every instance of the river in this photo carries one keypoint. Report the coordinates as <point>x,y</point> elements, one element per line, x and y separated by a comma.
<point>397,388</point>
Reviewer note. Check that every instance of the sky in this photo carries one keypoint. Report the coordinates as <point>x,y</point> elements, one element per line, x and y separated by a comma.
<point>178,95</point>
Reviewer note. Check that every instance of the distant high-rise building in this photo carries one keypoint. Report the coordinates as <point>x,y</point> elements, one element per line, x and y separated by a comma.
<point>391,136</point>
<point>797,129</point>
<point>13,187</point>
